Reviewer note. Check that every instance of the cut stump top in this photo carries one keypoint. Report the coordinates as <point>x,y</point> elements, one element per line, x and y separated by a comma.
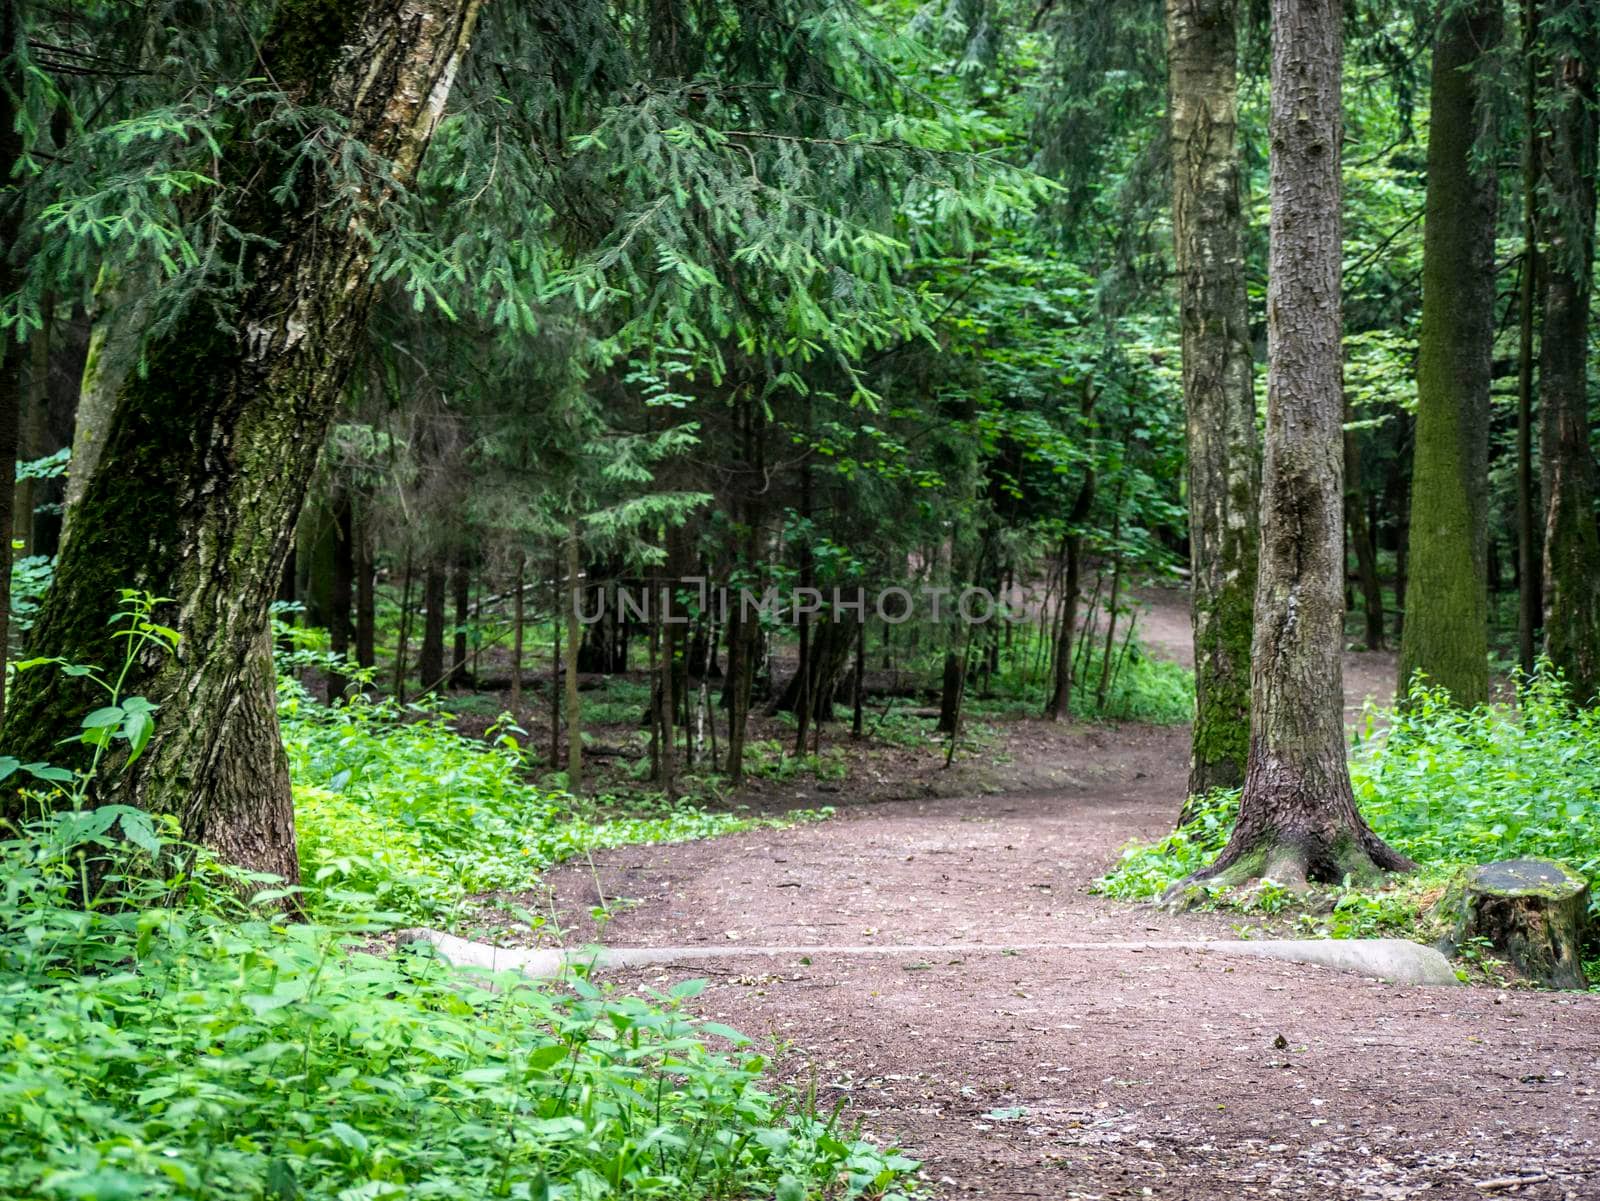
<point>1528,877</point>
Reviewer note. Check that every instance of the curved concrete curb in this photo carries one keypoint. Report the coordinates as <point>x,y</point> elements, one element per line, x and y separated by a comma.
<point>1395,959</point>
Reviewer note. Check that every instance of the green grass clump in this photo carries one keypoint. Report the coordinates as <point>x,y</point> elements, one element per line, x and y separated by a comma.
<point>397,804</point>
<point>167,1041</point>
<point>1445,786</point>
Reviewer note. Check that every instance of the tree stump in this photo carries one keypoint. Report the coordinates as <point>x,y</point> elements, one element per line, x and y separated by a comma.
<point>1532,911</point>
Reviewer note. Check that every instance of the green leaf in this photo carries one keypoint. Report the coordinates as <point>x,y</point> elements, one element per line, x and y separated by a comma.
<point>43,771</point>
<point>137,730</point>
<point>137,829</point>
<point>100,718</point>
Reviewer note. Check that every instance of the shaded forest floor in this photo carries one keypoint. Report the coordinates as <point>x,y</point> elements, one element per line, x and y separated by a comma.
<point>1100,1073</point>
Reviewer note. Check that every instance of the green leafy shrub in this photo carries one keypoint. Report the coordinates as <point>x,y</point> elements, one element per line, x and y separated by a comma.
<point>394,802</point>
<point>1451,786</point>
<point>1444,786</point>
<point>1147,869</point>
<point>164,1040</point>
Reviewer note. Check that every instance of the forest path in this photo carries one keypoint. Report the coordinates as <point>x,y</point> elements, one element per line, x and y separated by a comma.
<point>1108,1074</point>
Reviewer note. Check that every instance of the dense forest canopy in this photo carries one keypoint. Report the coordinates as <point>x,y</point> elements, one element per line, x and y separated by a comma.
<point>399,390</point>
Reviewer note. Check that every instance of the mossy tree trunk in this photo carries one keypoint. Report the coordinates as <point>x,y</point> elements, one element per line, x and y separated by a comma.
<point>207,455</point>
<point>1567,168</point>
<point>1297,816</point>
<point>1446,630</point>
<point>1218,389</point>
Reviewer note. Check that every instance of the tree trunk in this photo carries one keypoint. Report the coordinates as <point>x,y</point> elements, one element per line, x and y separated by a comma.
<point>574,719</point>
<point>461,593</point>
<point>119,317</point>
<point>1116,598</point>
<point>430,657</point>
<point>950,692</point>
<point>342,589</point>
<point>366,589</point>
<point>815,683</point>
<point>1530,604</point>
<point>1218,389</point>
<point>1571,543</point>
<point>516,637</point>
<point>208,454</point>
<point>33,433</point>
<point>859,690</point>
<point>402,649</point>
<point>1060,704</point>
<point>1447,632</point>
<point>1297,815</point>
<point>11,350</point>
<point>1366,548</point>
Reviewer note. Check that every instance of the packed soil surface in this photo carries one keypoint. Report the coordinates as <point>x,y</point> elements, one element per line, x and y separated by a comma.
<point>1104,1073</point>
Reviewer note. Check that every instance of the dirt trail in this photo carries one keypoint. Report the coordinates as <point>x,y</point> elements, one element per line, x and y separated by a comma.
<point>1107,1074</point>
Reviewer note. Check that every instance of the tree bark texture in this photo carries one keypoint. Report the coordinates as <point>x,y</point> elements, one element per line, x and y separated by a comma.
<point>207,456</point>
<point>1297,816</point>
<point>1571,542</point>
<point>1218,386</point>
<point>1447,628</point>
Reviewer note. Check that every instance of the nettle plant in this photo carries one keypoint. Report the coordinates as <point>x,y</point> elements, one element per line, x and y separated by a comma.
<point>123,719</point>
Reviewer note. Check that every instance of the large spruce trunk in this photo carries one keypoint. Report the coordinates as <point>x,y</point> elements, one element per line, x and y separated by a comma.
<point>208,453</point>
<point>1218,390</point>
<point>1297,815</point>
<point>1446,630</point>
<point>1571,545</point>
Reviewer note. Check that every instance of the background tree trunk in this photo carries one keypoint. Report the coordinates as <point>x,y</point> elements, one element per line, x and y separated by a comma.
<point>11,350</point>
<point>208,455</point>
<point>366,588</point>
<point>1060,703</point>
<point>1571,543</point>
<point>342,590</point>
<point>1447,632</point>
<point>574,712</point>
<point>1297,816</point>
<point>461,594</point>
<point>119,316</point>
<point>1218,389</point>
<point>1361,536</point>
<point>1530,603</point>
<point>430,657</point>
<point>33,433</point>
